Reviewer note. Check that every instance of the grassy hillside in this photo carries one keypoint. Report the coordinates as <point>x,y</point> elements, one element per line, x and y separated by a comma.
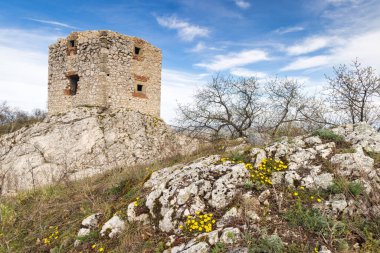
<point>48,219</point>
<point>29,217</point>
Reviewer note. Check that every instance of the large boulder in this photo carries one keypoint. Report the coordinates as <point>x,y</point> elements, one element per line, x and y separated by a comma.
<point>84,142</point>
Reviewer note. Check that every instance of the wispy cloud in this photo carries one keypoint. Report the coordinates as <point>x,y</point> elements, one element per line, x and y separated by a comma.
<point>243,72</point>
<point>307,63</point>
<point>312,44</point>
<point>52,22</point>
<point>291,29</point>
<point>235,59</point>
<point>340,2</point>
<point>201,46</point>
<point>242,4</point>
<point>343,50</point>
<point>186,31</point>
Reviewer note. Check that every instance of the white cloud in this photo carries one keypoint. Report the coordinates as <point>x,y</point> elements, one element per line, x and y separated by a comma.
<point>291,29</point>
<point>340,2</point>
<point>177,86</point>
<point>243,72</point>
<point>198,48</point>
<point>242,4</point>
<point>365,47</point>
<point>236,59</point>
<point>186,31</point>
<point>52,22</point>
<point>312,44</point>
<point>23,67</point>
<point>307,63</point>
<point>362,46</point>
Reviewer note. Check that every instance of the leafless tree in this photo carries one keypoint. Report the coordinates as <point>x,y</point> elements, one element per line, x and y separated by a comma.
<point>352,91</point>
<point>12,119</point>
<point>290,107</point>
<point>226,105</point>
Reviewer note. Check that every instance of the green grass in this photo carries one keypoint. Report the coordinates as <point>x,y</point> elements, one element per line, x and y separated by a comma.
<point>313,221</point>
<point>268,244</point>
<point>375,157</point>
<point>219,247</point>
<point>327,134</point>
<point>26,217</point>
<point>342,185</point>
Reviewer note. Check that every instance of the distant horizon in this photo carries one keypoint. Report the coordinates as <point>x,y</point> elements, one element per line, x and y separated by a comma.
<point>295,39</point>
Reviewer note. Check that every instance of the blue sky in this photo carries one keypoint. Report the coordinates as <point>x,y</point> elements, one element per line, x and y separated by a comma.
<point>199,38</point>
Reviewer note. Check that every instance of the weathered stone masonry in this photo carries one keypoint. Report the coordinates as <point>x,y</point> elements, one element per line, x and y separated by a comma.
<point>104,68</point>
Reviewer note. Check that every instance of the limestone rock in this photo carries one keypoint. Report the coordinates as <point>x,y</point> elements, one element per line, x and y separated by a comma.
<point>324,249</point>
<point>114,226</point>
<point>352,164</point>
<point>132,216</point>
<point>360,135</point>
<point>258,155</point>
<point>230,235</point>
<point>88,224</point>
<point>84,142</point>
<point>201,247</point>
<point>338,202</point>
<point>92,220</point>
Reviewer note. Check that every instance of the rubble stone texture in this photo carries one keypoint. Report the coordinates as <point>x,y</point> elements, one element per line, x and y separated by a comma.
<point>84,142</point>
<point>107,68</point>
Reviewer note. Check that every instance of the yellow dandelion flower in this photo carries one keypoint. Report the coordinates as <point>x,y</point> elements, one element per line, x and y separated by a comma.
<point>319,200</point>
<point>295,194</point>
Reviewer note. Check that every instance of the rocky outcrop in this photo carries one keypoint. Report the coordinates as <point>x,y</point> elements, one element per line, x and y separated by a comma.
<point>84,142</point>
<point>224,186</point>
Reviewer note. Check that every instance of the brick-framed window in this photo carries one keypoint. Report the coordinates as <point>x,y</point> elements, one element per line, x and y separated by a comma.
<point>139,91</point>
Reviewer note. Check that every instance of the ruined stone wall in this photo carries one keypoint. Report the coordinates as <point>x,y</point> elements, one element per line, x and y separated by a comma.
<point>109,71</point>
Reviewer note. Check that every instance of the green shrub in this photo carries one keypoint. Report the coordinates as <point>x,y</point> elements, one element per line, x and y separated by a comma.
<point>342,245</point>
<point>341,185</point>
<point>327,134</point>
<point>312,220</point>
<point>268,244</point>
<point>238,156</point>
<point>91,237</point>
<point>119,188</point>
<point>219,247</point>
<point>355,188</point>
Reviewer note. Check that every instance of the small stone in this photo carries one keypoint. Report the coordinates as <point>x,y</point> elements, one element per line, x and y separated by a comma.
<point>252,215</point>
<point>115,225</point>
<point>92,220</point>
<point>230,235</point>
<point>239,250</point>
<point>264,195</point>
<point>213,237</point>
<point>338,202</point>
<point>324,249</point>
<point>313,140</point>
<point>201,247</point>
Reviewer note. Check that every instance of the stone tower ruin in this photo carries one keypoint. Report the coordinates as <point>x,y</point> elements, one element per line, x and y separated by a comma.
<point>106,69</point>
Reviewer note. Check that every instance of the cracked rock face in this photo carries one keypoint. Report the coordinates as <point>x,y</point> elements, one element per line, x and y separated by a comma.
<point>360,135</point>
<point>81,143</point>
<point>182,190</point>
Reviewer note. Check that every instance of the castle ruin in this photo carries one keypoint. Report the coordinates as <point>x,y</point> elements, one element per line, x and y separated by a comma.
<point>105,69</point>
